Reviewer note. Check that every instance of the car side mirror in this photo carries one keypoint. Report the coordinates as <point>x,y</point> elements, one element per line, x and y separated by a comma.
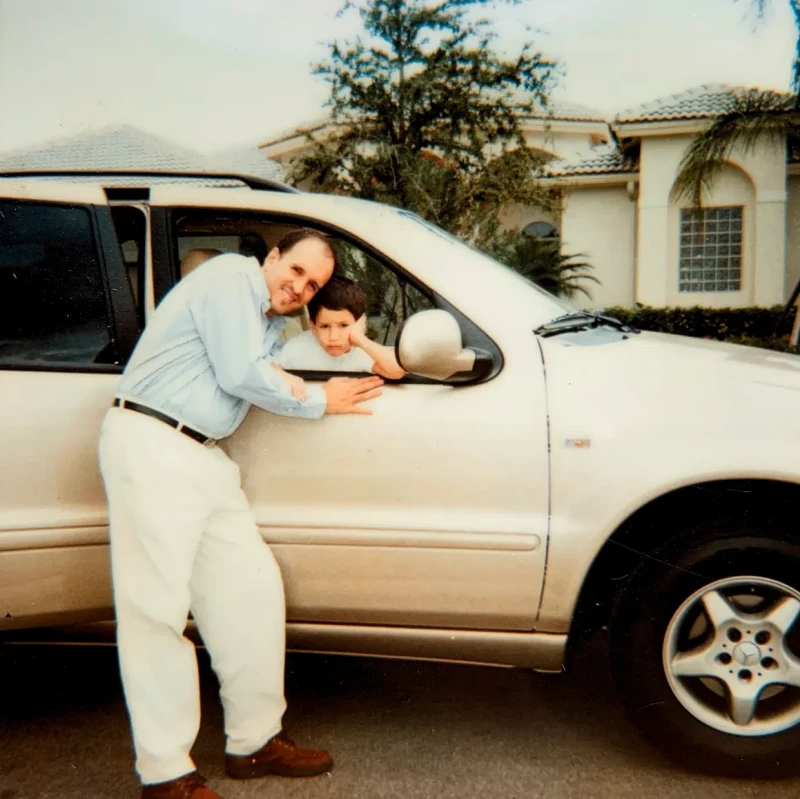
<point>429,345</point>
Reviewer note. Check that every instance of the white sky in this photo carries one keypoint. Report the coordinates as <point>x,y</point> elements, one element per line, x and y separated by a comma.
<point>212,74</point>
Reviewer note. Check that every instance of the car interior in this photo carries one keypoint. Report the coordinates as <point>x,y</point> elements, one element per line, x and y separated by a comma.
<point>199,235</point>
<point>390,297</point>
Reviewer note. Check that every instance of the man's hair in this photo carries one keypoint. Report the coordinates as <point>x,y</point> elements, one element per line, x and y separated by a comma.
<point>301,234</point>
<point>338,294</point>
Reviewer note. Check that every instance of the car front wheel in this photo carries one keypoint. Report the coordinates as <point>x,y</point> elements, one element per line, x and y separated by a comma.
<point>705,651</point>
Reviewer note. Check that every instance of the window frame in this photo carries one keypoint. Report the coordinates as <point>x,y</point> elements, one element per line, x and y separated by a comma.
<point>166,274</point>
<point>690,214</point>
<point>554,235</point>
<point>140,310</point>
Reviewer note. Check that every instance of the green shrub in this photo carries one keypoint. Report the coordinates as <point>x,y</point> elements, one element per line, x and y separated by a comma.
<point>719,323</point>
<point>772,343</point>
<point>757,327</point>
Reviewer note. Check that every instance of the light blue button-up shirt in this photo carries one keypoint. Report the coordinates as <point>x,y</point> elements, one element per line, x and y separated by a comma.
<point>204,357</point>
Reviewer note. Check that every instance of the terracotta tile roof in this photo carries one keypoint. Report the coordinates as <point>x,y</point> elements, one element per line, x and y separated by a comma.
<point>569,112</point>
<point>127,147</point>
<point>603,163</point>
<point>701,102</point>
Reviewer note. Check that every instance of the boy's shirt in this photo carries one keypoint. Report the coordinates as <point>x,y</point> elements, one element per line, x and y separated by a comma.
<point>305,352</point>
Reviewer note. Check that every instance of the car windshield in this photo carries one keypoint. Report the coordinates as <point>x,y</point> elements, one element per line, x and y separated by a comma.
<point>556,306</point>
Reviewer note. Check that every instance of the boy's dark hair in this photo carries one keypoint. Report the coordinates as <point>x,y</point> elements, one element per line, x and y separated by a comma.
<point>301,234</point>
<point>338,294</point>
<point>252,244</point>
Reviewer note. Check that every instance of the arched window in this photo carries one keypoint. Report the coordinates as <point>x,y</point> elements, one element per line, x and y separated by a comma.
<point>541,230</point>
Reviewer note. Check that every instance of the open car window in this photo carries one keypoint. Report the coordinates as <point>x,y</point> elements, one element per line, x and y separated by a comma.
<point>390,298</point>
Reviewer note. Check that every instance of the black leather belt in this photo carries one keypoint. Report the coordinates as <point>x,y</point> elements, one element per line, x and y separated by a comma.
<point>162,417</point>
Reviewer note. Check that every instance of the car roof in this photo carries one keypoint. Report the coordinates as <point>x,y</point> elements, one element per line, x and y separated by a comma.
<point>134,177</point>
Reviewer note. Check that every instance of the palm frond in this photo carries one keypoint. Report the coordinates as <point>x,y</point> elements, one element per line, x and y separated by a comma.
<point>753,116</point>
<point>541,261</point>
<point>795,4</point>
<point>760,6</point>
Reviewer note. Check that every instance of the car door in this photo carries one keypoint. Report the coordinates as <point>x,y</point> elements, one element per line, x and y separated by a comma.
<point>67,325</point>
<point>432,511</point>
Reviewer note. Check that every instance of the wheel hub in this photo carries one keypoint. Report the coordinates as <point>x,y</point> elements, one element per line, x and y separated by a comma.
<point>746,654</point>
<point>741,677</point>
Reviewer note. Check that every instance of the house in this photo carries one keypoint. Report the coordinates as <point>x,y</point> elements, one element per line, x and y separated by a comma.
<point>616,178</point>
<point>647,249</point>
<point>562,132</point>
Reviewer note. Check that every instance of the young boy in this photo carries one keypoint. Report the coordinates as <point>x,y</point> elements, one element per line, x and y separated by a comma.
<point>337,341</point>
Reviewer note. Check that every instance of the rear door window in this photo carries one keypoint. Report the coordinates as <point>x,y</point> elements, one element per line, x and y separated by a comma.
<point>54,305</point>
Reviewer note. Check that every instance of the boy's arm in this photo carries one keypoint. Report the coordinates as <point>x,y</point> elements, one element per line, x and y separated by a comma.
<point>385,362</point>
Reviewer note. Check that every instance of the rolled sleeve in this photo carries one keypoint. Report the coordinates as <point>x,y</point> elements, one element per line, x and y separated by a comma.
<point>228,321</point>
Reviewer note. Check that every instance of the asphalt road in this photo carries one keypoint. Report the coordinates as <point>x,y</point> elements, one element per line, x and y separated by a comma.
<point>396,730</point>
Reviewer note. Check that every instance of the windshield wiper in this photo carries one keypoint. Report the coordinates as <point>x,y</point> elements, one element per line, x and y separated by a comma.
<point>581,320</point>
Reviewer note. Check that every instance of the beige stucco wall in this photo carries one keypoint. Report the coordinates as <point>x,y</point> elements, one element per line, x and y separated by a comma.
<point>601,223</point>
<point>564,144</point>
<point>756,180</point>
<point>793,236</point>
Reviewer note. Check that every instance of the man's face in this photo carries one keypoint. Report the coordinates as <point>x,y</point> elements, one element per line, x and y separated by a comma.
<point>295,276</point>
<point>332,330</point>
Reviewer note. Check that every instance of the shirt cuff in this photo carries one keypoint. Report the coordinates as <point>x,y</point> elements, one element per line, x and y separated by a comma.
<point>316,400</point>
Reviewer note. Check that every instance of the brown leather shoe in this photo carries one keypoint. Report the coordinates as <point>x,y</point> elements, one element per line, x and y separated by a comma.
<point>281,756</point>
<point>190,786</point>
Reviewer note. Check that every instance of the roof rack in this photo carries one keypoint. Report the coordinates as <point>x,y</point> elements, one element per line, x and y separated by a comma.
<point>251,181</point>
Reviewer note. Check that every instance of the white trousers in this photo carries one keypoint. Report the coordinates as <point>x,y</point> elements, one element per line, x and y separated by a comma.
<point>183,539</point>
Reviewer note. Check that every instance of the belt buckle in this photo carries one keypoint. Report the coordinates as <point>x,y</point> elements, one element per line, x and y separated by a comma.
<point>210,443</point>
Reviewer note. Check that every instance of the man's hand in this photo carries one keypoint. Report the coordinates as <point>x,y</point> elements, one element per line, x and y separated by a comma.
<point>358,332</point>
<point>345,394</point>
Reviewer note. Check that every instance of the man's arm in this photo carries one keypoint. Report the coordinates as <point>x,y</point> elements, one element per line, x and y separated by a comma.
<point>385,362</point>
<point>296,384</point>
<point>228,322</point>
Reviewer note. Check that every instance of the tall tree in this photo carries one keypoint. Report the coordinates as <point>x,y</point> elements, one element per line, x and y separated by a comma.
<point>427,116</point>
<point>751,116</point>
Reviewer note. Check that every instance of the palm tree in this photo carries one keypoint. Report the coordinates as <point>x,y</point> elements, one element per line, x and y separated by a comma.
<point>751,116</point>
<point>541,261</point>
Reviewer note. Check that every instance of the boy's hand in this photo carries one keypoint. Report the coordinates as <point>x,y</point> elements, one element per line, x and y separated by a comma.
<point>345,394</point>
<point>358,332</point>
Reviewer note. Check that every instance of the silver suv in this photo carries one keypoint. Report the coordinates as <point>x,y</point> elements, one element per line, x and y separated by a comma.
<point>540,473</point>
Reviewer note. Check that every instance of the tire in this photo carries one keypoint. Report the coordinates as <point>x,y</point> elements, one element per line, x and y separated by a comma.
<point>669,620</point>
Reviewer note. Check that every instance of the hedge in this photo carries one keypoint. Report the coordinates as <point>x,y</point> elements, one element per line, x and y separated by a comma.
<point>755,327</point>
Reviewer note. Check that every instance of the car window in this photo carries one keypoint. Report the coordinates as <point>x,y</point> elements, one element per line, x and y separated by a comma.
<point>187,243</point>
<point>391,299</point>
<point>130,225</point>
<point>53,305</point>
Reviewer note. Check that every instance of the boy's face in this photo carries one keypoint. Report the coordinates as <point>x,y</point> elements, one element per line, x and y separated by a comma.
<point>332,330</point>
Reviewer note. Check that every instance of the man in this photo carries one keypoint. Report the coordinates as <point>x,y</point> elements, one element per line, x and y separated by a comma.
<point>183,537</point>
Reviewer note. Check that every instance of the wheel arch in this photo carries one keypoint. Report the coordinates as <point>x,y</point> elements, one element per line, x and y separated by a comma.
<point>704,503</point>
